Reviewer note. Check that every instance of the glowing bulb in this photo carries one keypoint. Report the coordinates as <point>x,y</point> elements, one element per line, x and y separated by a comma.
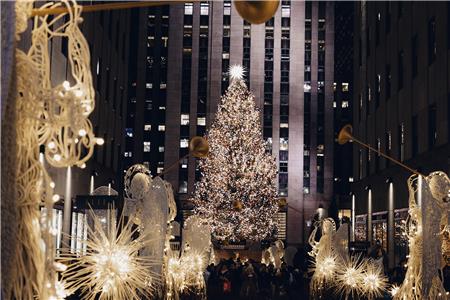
<point>55,198</point>
<point>76,140</point>
<point>82,132</point>
<point>51,145</point>
<point>100,141</point>
<point>79,93</point>
<point>52,185</point>
<point>236,72</point>
<point>57,157</point>
<point>66,85</point>
<point>82,166</point>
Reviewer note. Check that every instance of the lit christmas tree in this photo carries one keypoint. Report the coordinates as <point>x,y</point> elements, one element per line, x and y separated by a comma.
<point>237,192</point>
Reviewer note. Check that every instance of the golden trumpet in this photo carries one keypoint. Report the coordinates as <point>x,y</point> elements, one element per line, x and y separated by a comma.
<point>257,12</point>
<point>346,135</point>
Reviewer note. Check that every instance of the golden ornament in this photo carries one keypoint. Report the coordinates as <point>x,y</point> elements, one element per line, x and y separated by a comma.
<point>282,202</point>
<point>198,146</point>
<point>237,205</point>
<point>257,12</point>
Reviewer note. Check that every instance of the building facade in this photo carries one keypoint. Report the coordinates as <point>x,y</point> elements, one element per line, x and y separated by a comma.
<point>402,107</point>
<point>343,107</point>
<point>289,64</point>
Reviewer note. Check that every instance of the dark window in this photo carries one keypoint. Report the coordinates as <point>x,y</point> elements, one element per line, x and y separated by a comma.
<point>432,48</point>
<point>322,8</point>
<point>377,28</point>
<point>388,81</point>
<point>414,55</point>
<point>400,70</point>
<point>448,25</point>
<point>377,90</point>
<point>388,17</point>
<point>400,9</point>
<point>415,140</point>
<point>432,130</point>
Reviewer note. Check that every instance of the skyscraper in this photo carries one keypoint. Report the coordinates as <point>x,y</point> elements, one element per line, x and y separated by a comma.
<point>402,107</point>
<point>290,64</point>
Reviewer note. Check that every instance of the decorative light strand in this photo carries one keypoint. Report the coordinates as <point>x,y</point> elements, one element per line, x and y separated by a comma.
<point>237,192</point>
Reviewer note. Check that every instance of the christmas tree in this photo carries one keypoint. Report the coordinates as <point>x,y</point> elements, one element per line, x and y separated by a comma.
<point>237,192</point>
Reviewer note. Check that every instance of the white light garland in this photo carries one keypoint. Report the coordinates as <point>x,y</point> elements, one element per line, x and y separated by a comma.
<point>237,192</point>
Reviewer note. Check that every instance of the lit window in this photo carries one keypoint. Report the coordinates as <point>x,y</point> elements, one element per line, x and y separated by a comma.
<point>334,86</point>
<point>284,144</point>
<point>336,179</point>
<point>225,55</point>
<point>159,170</point>
<point>98,66</point>
<point>161,149</point>
<point>162,108</point>
<point>320,148</point>
<point>147,127</point>
<point>162,86</point>
<point>184,143</point>
<point>128,154</point>
<point>129,132</point>
<point>284,125</point>
<point>184,119</point>
<point>149,85</point>
<point>307,86</point>
<point>188,8</point>
<point>161,127</point>
<point>345,87</point>
<point>305,190</point>
<point>344,104</point>
<point>204,9</point>
<point>182,189</point>
<point>227,8</point>
<point>334,104</point>
<point>285,12</point>
<point>146,146</point>
<point>350,179</point>
<point>201,121</point>
<point>184,163</point>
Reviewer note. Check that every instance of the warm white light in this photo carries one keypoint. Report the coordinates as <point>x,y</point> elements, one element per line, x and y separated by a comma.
<point>55,198</point>
<point>57,157</point>
<point>82,132</point>
<point>82,166</point>
<point>79,93</point>
<point>51,145</point>
<point>66,85</point>
<point>100,141</point>
<point>236,72</point>
<point>52,185</point>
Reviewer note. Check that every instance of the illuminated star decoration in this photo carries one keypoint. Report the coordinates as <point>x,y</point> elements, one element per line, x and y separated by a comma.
<point>236,72</point>
<point>112,267</point>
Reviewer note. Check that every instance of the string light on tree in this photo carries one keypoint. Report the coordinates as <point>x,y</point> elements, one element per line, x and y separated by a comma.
<point>237,192</point>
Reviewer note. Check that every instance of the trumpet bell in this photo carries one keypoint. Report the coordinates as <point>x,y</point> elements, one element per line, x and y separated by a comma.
<point>199,147</point>
<point>256,12</point>
<point>345,135</point>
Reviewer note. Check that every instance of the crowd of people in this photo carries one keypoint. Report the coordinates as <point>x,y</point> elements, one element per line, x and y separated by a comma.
<point>233,279</point>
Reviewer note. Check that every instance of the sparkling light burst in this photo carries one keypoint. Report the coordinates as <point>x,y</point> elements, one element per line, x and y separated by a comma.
<point>375,282</point>
<point>350,277</point>
<point>236,72</point>
<point>186,273</point>
<point>112,267</point>
<point>237,192</point>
